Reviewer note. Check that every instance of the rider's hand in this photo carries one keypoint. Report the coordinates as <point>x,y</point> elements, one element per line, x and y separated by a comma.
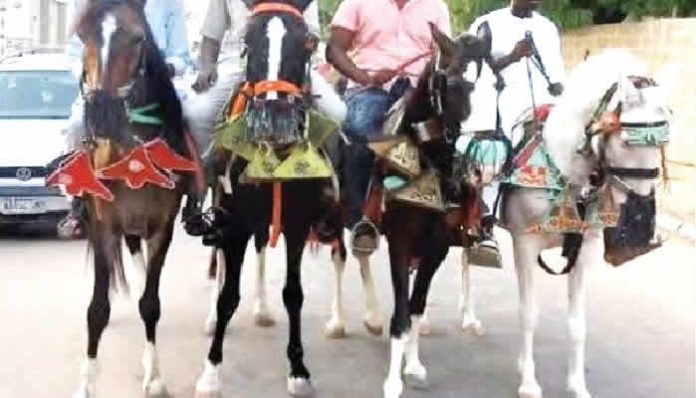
<point>556,89</point>
<point>205,80</point>
<point>522,49</point>
<point>381,77</point>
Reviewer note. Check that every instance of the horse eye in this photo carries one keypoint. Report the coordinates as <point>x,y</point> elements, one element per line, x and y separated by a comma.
<point>137,39</point>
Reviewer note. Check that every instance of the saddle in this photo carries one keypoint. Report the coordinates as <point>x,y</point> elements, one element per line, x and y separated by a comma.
<point>272,157</point>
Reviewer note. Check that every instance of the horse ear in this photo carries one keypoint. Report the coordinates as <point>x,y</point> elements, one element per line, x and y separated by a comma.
<point>249,3</point>
<point>446,45</point>
<point>486,36</point>
<point>303,4</point>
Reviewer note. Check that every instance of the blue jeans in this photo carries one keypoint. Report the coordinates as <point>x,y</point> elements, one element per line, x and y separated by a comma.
<point>367,109</point>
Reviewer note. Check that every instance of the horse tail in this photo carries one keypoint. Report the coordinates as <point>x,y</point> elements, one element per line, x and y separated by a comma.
<point>108,253</point>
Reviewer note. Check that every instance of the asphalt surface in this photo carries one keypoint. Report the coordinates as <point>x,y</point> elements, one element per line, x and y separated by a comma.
<point>640,328</point>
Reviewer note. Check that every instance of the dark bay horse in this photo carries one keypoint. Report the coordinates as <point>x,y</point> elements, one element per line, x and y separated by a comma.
<point>414,233</point>
<point>129,100</point>
<point>279,48</point>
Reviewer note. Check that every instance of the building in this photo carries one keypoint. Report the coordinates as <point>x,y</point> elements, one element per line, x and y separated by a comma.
<point>32,23</point>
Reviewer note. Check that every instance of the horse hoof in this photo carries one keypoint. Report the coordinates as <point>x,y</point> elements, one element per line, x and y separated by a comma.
<point>473,328</point>
<point>209,327</point>
<point>155,389</point>
<point>335,330</point>
<point>416,376</point>
<point>300,387</point>
<point>425,329</point>
<point>208,385</point>
<point>578,392</point>
<point>84,392</point>
<point>263,320</point>
<point>393,388</point>
<point>374,324</point>
<point>532,391</point>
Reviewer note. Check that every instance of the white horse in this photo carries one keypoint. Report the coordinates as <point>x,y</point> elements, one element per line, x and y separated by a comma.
<point>563,133</point>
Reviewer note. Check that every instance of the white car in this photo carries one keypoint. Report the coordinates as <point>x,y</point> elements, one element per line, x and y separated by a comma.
<point>36,95</point>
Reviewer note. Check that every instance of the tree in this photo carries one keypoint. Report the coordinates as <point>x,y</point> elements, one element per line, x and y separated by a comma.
<point>567,14</point>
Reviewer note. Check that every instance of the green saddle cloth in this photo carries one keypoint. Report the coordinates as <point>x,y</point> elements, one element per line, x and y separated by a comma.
<point>532,166</point>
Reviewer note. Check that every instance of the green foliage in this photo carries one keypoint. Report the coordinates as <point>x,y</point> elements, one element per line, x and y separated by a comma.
<point>567,14</point>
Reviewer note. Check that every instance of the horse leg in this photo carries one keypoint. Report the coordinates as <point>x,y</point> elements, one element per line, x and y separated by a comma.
<point>262,315</point>
<point>138,273</point>
<point>400,322</point>
<point>527,248</point>
<point>217,274</point>
<point>470,323</point>
<point>149,305</point>
<point>293,297</point>
<point>99,310</point>
<point>577,323</point>
<point>336,328</point>
<point>235,239</point>
<point>373,321</point>
<point>415,373</point>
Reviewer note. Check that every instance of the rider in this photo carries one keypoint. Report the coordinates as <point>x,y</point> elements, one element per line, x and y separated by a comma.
<point>168,25</point>
<point>520,36</point>
<point>223,32</point>
<point>390,42</point>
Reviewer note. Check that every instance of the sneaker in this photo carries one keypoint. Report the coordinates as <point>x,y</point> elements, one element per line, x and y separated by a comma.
<point>364,238</point>
<point>71,227</point>
<point>485,251</point>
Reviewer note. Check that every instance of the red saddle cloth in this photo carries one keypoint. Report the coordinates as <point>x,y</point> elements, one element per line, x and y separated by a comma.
<point>541,112</point>
<point>77,176</point>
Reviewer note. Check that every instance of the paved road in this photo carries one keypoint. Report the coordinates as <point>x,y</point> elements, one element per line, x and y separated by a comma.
<point>640,332</point>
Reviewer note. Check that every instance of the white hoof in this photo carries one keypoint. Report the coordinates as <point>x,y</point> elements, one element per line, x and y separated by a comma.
<point>416,376</point>
<point>425,329</point>
<point>155,388</point>
<point>473,328</point>
<point>374,323</point>
<point>84,392</point>
<point>210,325</point>
<point>300,387</point>
<point>393,388</point>
<point>529,391</point>
<point>578,390</point>
<point>209,385</point>
<point>335,329</point>
<point>263,318</point>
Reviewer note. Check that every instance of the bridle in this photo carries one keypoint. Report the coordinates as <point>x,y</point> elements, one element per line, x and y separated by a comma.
<point>616,176</point>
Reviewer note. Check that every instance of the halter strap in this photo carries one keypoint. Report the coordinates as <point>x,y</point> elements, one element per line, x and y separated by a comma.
<point>277,7</point>
<point>281,86</point>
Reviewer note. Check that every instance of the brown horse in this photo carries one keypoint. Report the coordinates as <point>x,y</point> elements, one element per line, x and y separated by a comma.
<point>129,100</point>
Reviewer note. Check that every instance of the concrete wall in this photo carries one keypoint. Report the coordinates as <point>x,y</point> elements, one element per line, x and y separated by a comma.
<point>660,42</point>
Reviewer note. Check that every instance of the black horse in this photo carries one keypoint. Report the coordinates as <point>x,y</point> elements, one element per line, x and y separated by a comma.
<point>129,100</point>
<point>279,48</point>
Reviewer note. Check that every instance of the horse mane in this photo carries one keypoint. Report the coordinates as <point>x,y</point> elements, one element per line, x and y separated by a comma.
<point>586,85</point>
<point>158,87</point>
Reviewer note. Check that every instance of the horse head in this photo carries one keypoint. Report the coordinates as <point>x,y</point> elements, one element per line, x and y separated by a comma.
<point>122,69</point>
<point>278,50</point>
<point>456,68</point>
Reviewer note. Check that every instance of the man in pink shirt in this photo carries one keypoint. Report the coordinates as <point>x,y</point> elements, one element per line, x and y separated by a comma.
<point>389,42</point>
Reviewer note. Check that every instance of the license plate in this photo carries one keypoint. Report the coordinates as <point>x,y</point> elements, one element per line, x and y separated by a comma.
<point>22,206</point>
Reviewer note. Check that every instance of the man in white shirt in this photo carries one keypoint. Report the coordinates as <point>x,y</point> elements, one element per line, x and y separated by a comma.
<point>520,38</point>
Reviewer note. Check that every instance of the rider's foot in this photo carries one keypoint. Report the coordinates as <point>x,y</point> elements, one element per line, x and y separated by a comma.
<point>195,222</point>
<point>72,226</point>
<point>364,238</point>
<point>485,251</point>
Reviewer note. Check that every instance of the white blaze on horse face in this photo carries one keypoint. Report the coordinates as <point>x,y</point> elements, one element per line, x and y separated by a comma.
<point>108,29</point>
<point>471,72</point>
<point>275,33</point>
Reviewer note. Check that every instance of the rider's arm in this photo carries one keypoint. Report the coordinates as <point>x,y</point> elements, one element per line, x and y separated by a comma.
<point>344,26</point>
<point>177,51</point>
<point>216,23</point>
<point>337,55</point>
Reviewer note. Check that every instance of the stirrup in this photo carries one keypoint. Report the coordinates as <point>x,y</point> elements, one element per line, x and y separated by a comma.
<point>485,251</point>
<point>364,238</point>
